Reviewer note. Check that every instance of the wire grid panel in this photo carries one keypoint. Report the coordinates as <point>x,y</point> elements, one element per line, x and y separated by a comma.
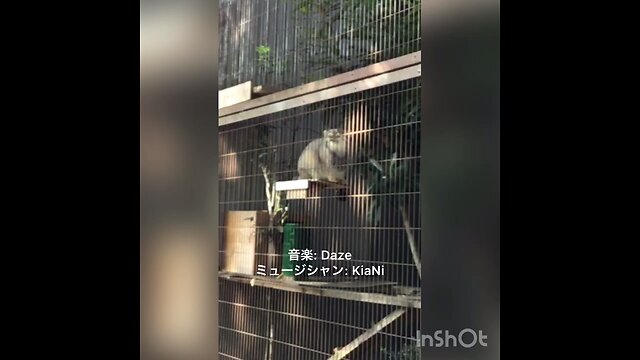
<point>382,130</point>
<point>286,43</point>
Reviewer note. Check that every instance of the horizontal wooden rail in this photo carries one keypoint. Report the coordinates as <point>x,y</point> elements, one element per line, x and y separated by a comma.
<point>334,92</point>
<point>358,74</point>
<point>377,327</point>
<point>292,286</point>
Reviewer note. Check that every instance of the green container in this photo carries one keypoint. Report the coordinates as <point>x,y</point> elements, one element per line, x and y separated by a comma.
<point>289,242</point>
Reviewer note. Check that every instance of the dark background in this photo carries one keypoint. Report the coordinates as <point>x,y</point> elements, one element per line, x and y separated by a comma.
<point>79,293</point>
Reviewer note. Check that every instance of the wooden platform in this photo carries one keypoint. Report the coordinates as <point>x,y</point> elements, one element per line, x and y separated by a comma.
<point>329,289</point>
<point>305,188</point>
<point>365,73</point>
<point>241,93</point>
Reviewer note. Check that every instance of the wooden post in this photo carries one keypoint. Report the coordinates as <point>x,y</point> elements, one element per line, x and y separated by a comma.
<point>345,350</point>
<point>234,95</point>
<point>326,94</point>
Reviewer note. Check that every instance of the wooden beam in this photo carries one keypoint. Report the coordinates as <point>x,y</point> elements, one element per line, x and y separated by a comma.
<point>234,95</point>
<point>260,91</point>
<point>406,290</point>
<point>292,286</point>
<point>303,184</point>
<point>358,74</point>
<point>317,283</point>
<point>348,284</point>
<point>334,92</point>
<point>345,350</point>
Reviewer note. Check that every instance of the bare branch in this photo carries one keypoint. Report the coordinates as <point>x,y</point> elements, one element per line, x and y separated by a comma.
<point>412,241</point>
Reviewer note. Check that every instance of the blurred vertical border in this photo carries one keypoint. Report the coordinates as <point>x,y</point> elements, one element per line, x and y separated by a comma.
<point>178,179</point>
<point>460,179</point>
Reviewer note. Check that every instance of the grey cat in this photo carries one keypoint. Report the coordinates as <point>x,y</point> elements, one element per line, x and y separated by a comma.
<point>317,161</point>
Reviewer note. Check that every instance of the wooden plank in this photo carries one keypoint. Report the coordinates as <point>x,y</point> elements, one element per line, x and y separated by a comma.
<point>334,284</point>
<point>296,194</point>
<point>302,188</point>
<point>348,284</point>
<point>292,286</point>
<point>301,184</point>
<point>345,350</point>
<point>241,240</point>
<point>361,85</point>
<point>406,290</point>
<point>234,95</point>
<point>329,184</point>
<point>358,74</point>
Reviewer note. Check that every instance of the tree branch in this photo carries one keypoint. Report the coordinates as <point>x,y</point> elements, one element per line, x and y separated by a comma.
<point>412,242</point>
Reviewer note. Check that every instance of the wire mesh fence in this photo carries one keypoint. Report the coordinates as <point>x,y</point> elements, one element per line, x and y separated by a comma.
<point>285,43</point>
<point>382,126</point>
<point>373,216</point>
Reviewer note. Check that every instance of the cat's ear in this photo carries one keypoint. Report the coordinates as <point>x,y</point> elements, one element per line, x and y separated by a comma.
<point>325,133</point>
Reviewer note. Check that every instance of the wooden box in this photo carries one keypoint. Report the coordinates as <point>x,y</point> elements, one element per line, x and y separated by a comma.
<point>244,238</point>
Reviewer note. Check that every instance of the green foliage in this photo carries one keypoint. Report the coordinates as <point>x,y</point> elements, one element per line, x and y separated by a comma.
<point>389,177</point>
<point>264,52</point>
<point>366,25</point>
<point>304,6</point>
<point>385,168</point>
<point>385,164</point>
